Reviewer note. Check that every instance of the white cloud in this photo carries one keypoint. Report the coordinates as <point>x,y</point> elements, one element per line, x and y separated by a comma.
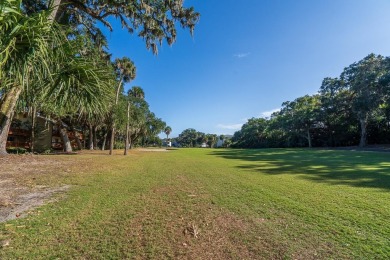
<point>241,55</point>
<point>230,127</point>
<point>269,113</point>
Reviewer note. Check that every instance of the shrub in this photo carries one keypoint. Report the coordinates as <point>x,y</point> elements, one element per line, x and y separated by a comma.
<point>16,150</point>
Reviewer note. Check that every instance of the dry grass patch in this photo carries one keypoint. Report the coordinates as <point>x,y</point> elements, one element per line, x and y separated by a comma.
<point>19,190</point>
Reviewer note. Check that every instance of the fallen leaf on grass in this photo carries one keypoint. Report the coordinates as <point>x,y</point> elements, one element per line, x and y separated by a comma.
<point>192,229</point>
<point>5,243</point>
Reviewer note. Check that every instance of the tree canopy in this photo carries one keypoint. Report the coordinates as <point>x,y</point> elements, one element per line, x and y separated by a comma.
<point>349,110</point>
<point>152,20</point>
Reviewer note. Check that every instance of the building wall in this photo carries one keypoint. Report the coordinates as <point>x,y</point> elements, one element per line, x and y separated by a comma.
<point>20,134</point>
<point>47,135</point>
<point>43,136</point>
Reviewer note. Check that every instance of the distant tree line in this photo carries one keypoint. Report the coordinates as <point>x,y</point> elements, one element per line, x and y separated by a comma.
<point>352,109</point>
<point>192,138</point>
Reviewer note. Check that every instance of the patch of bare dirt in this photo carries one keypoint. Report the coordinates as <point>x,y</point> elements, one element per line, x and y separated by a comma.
<point>152,150</point>
<point>20,205</point>
<point>19,191</point>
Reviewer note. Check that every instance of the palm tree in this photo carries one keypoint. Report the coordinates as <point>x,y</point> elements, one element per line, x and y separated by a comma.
<point>167,131</point>
<point>134,94</point>
<point>137,93</point>
<point>211,139</point>
<point>125,72</point>
<point>81,88</point>
<point>26,53</point>
<point>36,54</point>
<point>138,124</point>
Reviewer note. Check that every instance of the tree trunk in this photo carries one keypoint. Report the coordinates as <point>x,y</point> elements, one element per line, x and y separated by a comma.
<point>363,131</point>
<point>309,137</point>
<point>33,123</point>
<point>58,8</point>
<point>95,138</point>
<point>127,129</point>
<point>118,90</point>
<point>113,124</point>
<point>79,145</point>
<point>90,137</point>
<point>7,107</point>
<point>65,139</point>
<point>127,141</point>
<point>104,141</point>
<point>112,140</point>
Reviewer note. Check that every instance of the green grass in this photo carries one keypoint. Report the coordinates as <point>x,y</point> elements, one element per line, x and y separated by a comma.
<point>270,204</point>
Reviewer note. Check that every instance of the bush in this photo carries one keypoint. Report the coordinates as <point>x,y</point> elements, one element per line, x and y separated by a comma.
<point>119,145</point>
<point>16,150</point>
<point>47,151</point>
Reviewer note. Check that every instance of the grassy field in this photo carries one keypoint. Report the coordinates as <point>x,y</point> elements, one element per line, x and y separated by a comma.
<point>211,204</point>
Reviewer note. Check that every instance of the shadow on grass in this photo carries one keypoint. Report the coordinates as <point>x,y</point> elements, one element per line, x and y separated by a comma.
<point>358,169</point>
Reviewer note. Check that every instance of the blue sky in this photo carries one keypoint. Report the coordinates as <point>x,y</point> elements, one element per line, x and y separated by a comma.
<point>249,56</point>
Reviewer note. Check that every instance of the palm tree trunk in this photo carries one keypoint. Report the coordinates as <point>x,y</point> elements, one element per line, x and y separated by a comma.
<point>7,106</point>
<point>112,140</point>
<point>113,125</point>
<point>127,142</point>
<point>57,6</point>
<point>65,139</point>
<point>90,137</point>
<point>127,129</point>
<point>95,137</point>
<point>118,90</point>
<point>104,141</point>
<point>33,123</point>
<point>79,145</point>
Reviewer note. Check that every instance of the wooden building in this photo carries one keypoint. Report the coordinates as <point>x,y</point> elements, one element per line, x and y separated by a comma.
<point>47,136</point>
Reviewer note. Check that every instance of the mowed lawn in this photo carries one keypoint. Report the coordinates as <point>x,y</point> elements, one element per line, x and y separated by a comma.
<point>211,204</point>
